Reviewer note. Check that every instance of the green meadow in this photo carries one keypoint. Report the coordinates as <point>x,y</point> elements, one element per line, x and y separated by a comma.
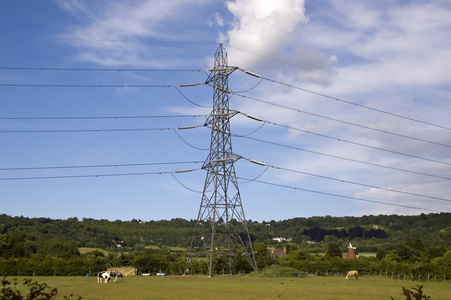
<point>239,287</point>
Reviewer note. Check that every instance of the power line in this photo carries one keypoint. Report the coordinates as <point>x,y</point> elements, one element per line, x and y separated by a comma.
<point>191,170</point>
<point>358,144</point>
<point>341,121</point>
<point>344,196</point>
<point>100,130</point>
<point>192,146</point>
<point>100,69</point>
<point>357,183</point>
<point>355,104</point>
<point>342,158</point>
<point>190,101</point>
<point>99,166</point>
<point>96,175</point>
<point>91,85</point>
<point>341,79</point>
<point>100,117</point>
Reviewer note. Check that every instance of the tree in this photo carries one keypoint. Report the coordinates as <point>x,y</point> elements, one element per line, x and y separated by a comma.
<point>333,250</point>
<point>380,253</point>
<point>35,290</point>
<point>262,255</point>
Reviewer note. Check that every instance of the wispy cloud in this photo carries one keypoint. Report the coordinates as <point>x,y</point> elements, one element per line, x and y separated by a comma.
<point>118,32</point>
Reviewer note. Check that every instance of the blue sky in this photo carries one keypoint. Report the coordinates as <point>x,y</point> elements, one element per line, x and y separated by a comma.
<point>355,103</point>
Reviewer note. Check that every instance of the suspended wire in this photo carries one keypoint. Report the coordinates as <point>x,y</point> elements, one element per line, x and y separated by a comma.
<point>341,79</point>
<point>100,130</point>
<point>254,131</point>
<point>113,40</point>
<point>341,121</point>
<point>179,182</point>
<point>101,117</point>
<point>191,170</point>
<point>90,85</point>
<point>192,146</point>
<point>357,183</point>
<point>250,89</point>
<point>355,104</point>
<point>358,144</point>
<point>100,69</point>
<point>94,175</point>
<point>340,157</point>
<point>346,197</point>
<point>255,178</point>
<point>192,102</point>
<point>99,166</point>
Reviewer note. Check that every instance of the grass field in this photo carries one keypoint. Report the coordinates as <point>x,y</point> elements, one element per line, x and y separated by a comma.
<point>84,250</point>
<point>239,287</point>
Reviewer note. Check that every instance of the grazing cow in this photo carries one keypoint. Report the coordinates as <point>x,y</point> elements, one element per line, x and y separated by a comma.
<point>353,273</point>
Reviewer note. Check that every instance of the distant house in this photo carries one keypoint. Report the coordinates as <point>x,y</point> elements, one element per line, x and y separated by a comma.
<point>282,239</point>
<point>277,252</point>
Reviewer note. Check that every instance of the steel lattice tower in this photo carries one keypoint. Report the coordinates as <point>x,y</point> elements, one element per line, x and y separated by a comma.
<point>221,231</point>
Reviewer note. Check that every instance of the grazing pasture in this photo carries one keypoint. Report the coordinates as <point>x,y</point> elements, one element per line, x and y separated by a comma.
<point>240,287</point>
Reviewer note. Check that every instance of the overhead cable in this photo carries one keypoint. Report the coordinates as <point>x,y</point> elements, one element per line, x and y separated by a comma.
<point>355,104</point>
<point>190,101</point>
<point>100,69</point>
<point>346,197</point>
<point>356,143</point>
<point>100,130</point>
<point>94,85</point>
<point>341,121</point>
<point>99,166</point>
<point>341,79</point>
<point>350,182</point>
<point>94,175</point>
<point>100,117</point>
<point>340,157</point>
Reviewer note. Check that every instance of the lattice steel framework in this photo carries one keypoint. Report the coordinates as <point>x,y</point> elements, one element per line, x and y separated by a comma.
<point>221,232</point>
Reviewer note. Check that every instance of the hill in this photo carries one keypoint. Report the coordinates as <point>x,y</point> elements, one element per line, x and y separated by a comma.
<point>369,233</point>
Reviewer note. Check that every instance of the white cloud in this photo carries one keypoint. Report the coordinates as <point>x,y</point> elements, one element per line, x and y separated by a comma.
<point>110,33</point>
<point>267,28</point>
<point>369,52</point>
<point>216,19</point>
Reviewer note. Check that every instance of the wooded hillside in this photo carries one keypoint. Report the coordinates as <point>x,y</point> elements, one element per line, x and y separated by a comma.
<point>368,233</point>
<point>415,245</point>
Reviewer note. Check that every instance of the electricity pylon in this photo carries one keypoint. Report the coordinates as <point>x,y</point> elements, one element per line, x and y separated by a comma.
<point>221,231</point>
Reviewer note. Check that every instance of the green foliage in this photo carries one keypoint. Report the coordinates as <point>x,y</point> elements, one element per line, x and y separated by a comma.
<point>333,250</point>
<point>279,271</point>
<point>42,246</point>
<point>414,294</point>
<point>150,263</point>
<point>35,290</point>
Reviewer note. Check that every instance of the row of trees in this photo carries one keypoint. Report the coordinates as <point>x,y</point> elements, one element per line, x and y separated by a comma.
<point>42,246</point>
<point>60,259</point>
<point>370,232</point>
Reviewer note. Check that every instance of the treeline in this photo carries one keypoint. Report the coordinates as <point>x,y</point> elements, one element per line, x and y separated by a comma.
<point>318,234</point>
<point>416,245</point>
<point>369,233</point>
